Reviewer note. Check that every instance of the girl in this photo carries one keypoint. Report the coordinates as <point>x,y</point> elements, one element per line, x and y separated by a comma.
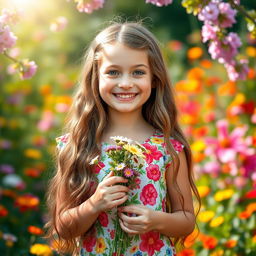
<point>125,91</point>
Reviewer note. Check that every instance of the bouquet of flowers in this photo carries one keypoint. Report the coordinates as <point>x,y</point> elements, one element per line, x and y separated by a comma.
<point>127,159</point>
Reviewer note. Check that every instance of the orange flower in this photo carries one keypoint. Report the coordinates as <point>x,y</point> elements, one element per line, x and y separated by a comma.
<point>196,74</point>
<point>45,89</point>
<point>201,131</point>
<point>251,73</point>
<point>210,81</point>
<point>198,157</point>
<point>251,208</point>
<point>206,63</point>
<point>187,252</point>
<point>27,202</point>
<point>231,243</point>
<point>32,172</point>
<point>9,193</point>
<point>210,242</point>
<point>3,211</point>
<point>194,53</point>
<point>190,239</point>
<point>203,191</point>
<point>35,230</point>
<point>228,88</point>
<point>244,215</point>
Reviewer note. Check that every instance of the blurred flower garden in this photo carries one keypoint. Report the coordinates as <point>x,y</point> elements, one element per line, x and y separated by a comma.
<point>210,49</point>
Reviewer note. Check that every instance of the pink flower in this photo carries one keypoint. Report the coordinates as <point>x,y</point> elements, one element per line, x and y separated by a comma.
<point>160,3</point>
<point>148,195</point>
<point>153,172</point>
<point>7,38</point>
<point>89,242</point>
<point>112,147</point>
<point>237,70</point>
<point>226,146</point>
<point>209,32</point>
<point>46,121</point>
<point>212,167</point>
<point>209,13</point>
<point>98,167</point>
<point>150,242</point>
<point>59,24</point>
<point>9,16</point>
<point>153,153</point>
<point>227,15</point>
<point>89,6</point>
<point>177,145</point>
<point>28,69</point>
<point>103,219</point>
<point>128,172</point>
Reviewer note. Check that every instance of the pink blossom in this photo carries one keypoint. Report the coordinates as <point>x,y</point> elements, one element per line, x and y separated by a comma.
<point>159,3</point>
<point>227,15</point>
<point>46,122</point>
<point>209,13</point>
<point>227,145</point>
<point>237,70</point>
<point>59,24</point>
<point>7,38</point>
<point>212,167</point>
<point>128,172</point>
<point>89,6</point>
<point>209,32</point>
<point>9,16</point>
<point>28,69</point>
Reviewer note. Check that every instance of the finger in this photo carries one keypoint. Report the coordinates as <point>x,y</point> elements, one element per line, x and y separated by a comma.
<point>137,209</point>
<point>118,202</point>
<point>118,188</point>
<point>126,229</point>
<point>129,220</point>
<point>109,175</point>
<point>118,195</point>
<point>114,179</point>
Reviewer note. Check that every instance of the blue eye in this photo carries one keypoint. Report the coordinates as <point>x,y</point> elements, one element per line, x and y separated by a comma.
<point>139,72</point>
<point>113,72</point>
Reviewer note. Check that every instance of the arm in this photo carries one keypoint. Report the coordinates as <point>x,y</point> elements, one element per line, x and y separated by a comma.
<point>174,224</point>
<point>79,219</point>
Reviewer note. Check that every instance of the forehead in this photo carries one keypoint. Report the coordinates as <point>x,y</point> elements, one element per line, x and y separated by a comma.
<point>122,55</point>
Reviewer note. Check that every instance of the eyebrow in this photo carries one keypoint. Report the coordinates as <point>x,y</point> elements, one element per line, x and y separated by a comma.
<point>135,66</point>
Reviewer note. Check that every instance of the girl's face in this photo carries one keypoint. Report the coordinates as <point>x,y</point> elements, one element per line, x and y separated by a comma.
<point>124,77</point>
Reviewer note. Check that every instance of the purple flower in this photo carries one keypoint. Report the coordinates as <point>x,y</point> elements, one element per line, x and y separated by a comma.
<point>6,168</point>
<point>7,38</point>
<point>89,6</point>
<point>209,32</point>
<point>160,3</point>
<point>28,69</point>
<point>128,172</point>
<point>209,13</point>
<point>227,15</point>
<point>113,147</point>
<point>237,70</point>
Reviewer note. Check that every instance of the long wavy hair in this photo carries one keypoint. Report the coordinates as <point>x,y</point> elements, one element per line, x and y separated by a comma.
<point>88,117</point>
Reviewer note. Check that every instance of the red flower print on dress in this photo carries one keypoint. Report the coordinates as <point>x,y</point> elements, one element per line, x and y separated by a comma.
<point>98,167</point>
<point>148,195</point>
<point>153,153</point>
<point>103,219</point>
<point>89,242</point>
<point>153,172</point>
<point>177,145</point>
<point>151,242</point>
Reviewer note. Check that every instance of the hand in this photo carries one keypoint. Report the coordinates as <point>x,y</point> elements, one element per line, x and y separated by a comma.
<point>144,221</point>
<point>108,195</point>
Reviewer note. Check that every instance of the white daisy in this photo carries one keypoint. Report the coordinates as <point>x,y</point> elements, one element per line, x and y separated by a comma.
<point>94,160</point>
<point>121,139</point>
<point>120,166</point>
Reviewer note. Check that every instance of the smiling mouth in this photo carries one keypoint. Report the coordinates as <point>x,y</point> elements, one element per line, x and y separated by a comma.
<point>125,95</point>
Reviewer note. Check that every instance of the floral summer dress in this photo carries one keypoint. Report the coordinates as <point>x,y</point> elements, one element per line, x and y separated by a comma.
<point>150,191</point>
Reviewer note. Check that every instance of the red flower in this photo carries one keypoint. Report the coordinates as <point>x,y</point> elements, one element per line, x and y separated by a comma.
<point>151,242</point>
<point>112,233</point>
<point>148,195</point>
<point>153,172</point>
<point>153,153</point>
<point>176,145</point>
<point>89,242</point>
<point>103,219</point>
<point>98,167</point>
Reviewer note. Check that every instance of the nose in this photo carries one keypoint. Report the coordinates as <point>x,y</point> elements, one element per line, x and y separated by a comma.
<point>125,82</point>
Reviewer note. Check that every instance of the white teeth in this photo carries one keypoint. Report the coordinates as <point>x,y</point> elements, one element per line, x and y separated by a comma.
<point>123,96</point>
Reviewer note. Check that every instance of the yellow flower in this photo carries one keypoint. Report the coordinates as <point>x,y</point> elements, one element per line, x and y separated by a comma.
<point>217,253</point>
<point>100,245</point>
<point>217,221</point>
<point>205,216</point>
<point>157,140</point>
<point>251,51</point>
<point>203,190</point>
<point>223,195</point>
<point>41,250</point>
<point>32,153</point>
<point>254,239</point>
<point>134,150</point>
<point>198,146</point>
